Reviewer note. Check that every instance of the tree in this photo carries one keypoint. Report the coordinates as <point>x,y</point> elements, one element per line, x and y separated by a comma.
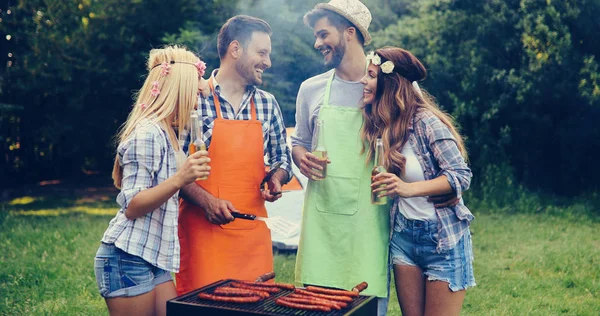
<point>73,69</point>
<point>520,76</point>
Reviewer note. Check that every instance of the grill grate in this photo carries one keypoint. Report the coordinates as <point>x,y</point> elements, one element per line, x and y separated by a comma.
<point>189,303</point>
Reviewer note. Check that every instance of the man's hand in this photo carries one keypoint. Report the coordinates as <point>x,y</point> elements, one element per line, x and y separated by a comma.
<point>310,167</point>
<point>218,211</point>
<point>445,200</point>
<point>273,191</point>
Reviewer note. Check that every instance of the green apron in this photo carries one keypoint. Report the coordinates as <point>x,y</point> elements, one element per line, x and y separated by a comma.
<point>344,238</point>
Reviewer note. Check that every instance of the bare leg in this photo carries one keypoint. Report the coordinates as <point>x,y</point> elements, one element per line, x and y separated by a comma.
<point>440,300</point>
<point>164,292</point>
<point>142,305</point>
<point>410,288</point>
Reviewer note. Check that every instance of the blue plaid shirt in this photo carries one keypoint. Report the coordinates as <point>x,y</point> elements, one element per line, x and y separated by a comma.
<point>438,155</point>
<point>147,158</point>
<point>268,113</point>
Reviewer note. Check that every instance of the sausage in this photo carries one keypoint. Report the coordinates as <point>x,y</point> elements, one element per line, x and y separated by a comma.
<point>232,291</point>
<point>266,277</point>
<point>329,297</point>
<point>278,285</point>
<point>313,301</point>
<point>253,287</point>
<point>229,299</point>
<point>286,303</point>
<point>331,291</point>
<point>338,303</point>
<point>360,287</point>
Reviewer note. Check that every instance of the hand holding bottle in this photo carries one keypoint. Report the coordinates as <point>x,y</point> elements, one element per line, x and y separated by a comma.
<point>388,184</point>
<point>195,166</point>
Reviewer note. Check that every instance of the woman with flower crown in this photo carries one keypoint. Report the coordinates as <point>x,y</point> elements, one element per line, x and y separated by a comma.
<point>424,155</point>
<point>140,248</point>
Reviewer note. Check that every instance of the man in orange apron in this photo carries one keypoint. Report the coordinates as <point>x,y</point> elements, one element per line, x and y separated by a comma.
<point>240,125</point>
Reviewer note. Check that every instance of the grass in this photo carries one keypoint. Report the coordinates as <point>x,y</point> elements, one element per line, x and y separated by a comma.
<point>534,264</point>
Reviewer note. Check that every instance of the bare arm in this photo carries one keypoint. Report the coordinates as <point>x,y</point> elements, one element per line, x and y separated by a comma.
<point>392,184</point>
<point>218,211</point>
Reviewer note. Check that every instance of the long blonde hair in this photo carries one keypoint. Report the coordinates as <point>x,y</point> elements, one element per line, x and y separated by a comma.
<point>396,103</point>
<point>178,93</point>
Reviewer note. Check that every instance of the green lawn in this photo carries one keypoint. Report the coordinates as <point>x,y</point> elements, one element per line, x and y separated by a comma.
<point>524,264</point>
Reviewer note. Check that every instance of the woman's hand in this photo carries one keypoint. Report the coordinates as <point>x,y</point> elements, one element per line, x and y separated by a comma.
<point>195,166</point>
<point>388,184</point>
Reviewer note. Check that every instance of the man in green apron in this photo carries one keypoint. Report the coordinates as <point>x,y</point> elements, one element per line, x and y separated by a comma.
<point>344,238</point>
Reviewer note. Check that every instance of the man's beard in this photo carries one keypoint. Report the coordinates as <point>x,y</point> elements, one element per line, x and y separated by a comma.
<point>247,71</point>
<point>337,54</point>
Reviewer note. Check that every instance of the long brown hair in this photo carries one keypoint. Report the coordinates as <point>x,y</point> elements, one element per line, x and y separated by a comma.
<point>178,93</point>
<point>396,103</point>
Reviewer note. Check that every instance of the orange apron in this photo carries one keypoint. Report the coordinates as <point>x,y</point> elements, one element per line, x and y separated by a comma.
<point>241,249</point>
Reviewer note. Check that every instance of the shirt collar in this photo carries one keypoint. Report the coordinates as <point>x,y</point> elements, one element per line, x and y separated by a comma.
<point>213,75</point>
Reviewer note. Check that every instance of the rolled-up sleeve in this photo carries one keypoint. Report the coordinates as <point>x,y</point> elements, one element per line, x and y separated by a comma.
<point>447,155</point>
<point>277,145</point>
<point>302,133</point>
<point>140,157</point>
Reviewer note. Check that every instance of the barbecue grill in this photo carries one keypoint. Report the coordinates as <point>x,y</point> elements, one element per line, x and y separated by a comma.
<point>190,304</point>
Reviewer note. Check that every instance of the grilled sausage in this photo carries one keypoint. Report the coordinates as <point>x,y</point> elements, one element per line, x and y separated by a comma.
<point>253,287</point>
<point>286,303</point>
<point>278,285</point>
<point>360,287</point>
<point>321,290</point>
<point>266,277</point>
<point>232,291</point>
<point>329,297</point>
<point>229,299</point>
<point>338,303</point>
<point>312,301</point>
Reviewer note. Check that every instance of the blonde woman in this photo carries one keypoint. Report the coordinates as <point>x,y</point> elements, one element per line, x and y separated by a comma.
<point>430,245</point>
<point>140,247</point>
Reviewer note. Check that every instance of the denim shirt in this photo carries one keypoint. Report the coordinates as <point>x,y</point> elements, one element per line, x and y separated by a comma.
<point>438,154</point>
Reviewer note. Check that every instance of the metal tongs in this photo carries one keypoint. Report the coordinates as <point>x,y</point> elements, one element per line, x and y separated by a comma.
<point>269,175</point>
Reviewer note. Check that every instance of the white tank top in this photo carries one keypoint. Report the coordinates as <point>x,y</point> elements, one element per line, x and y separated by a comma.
<point>416,207</point>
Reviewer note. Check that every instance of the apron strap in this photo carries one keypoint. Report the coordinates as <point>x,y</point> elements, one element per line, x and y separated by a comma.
<point>328,90</point>
<point>253,115</point>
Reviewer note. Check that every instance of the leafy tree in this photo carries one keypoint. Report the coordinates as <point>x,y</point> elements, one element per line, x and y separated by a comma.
<point>521,77</point>
<point>73,68</point>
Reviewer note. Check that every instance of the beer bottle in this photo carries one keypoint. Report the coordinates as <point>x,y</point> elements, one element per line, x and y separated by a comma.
<point>320,150</point>
<point>196,142</point>
<point>378,168</point>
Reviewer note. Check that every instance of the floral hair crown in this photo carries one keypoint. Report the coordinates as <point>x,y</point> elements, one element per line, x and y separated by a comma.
<point>166,67</point>
<point>387,67</point>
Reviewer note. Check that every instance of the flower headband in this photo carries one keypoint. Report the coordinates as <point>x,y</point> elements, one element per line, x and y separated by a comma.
<point>387,67</point>
<point>166,67</point>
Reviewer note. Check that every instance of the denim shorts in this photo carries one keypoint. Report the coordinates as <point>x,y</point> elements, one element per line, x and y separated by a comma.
<point>119,274</point>
<point>416,245</point>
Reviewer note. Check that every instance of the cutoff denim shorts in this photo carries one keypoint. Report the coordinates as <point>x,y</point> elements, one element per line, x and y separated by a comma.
<point>119,274</point>
<point>416,245</point>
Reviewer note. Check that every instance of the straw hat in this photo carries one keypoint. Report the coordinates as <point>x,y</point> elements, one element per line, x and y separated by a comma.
<point>353,10</point>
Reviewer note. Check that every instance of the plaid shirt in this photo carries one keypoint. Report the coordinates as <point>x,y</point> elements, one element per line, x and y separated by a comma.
<point>268,113</point>
<point>438,155</point>
<point>147,158</point>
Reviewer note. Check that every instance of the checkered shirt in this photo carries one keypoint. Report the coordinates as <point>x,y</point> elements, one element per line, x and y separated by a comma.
<point>268,113</point>
<point>438,155</point>
<point>147,158</point>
